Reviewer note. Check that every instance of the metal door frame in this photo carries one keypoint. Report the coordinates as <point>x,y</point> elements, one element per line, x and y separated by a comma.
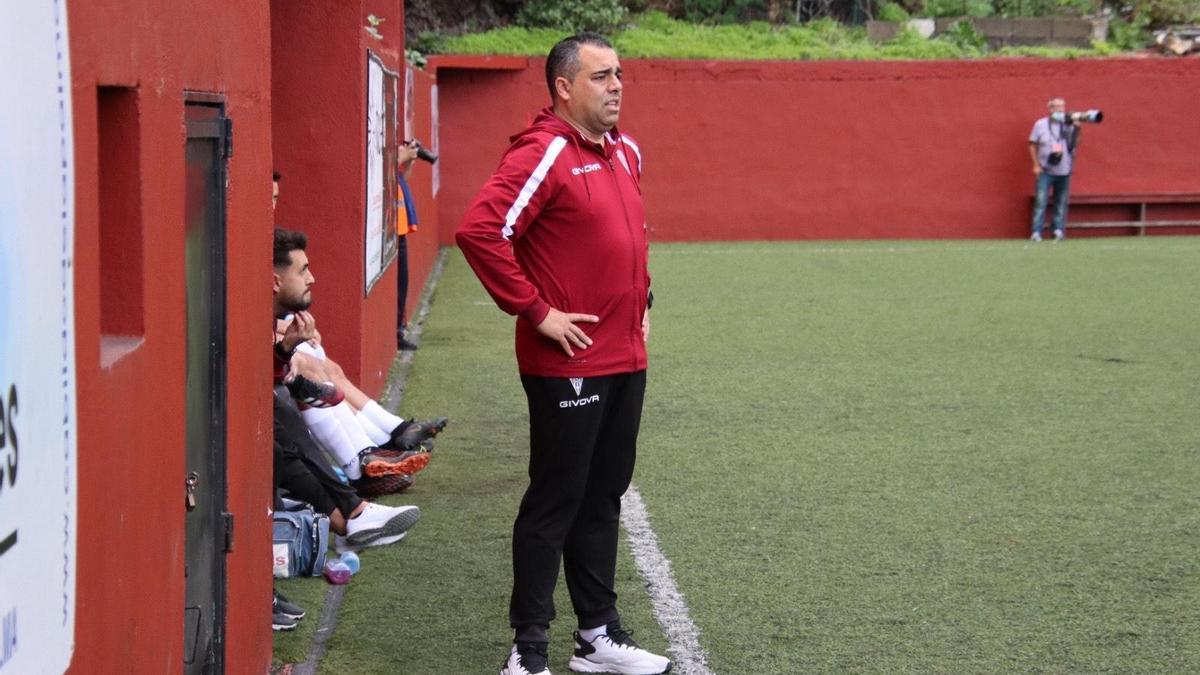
<point>219,129</point>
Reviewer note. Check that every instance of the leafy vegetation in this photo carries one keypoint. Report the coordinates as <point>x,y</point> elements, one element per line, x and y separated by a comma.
<point>573,15</point>
<point>966,37</point>
<point>775,29</point>
<point>654,34</point>
<point>890,11</point>
<point>721,11</point>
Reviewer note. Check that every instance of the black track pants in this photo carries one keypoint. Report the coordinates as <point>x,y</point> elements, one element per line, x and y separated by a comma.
<point>401,286</point>
<point>582,447</point>
<point>301,468</point>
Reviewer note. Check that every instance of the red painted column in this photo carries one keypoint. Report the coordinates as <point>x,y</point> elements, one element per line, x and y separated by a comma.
<point>130,554</point>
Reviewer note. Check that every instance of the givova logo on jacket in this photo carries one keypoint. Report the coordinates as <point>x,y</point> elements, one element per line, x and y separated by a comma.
<point>577,385</point>
<point>587,168</point>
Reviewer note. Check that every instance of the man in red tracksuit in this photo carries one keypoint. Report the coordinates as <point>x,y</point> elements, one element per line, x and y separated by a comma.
<point>558,237</point>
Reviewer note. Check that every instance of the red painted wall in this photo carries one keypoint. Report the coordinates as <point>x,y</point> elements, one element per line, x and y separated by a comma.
<point>846,150</point>
<point>319,83</point>
<point>131,412</point>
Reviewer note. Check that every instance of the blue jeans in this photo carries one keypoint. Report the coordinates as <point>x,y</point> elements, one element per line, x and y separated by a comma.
<point>1062,186</point>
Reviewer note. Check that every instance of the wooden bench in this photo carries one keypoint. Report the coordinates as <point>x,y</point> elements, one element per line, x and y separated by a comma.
<point>1189,200</point>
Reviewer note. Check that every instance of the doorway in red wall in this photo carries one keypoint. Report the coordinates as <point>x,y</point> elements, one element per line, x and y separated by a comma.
<point>207,525</point>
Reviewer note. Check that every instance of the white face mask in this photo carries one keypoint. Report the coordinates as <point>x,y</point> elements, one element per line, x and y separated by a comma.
<point>1058,116</point>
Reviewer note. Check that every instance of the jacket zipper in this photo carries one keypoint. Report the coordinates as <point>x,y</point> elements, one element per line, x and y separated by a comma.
<point>629,229</point>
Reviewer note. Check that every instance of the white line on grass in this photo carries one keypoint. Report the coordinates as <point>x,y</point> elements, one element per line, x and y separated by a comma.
<point>670,608</point>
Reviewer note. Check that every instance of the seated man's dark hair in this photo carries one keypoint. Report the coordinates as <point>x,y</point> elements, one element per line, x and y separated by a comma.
<point>563,60</point>
<point>287,241</point>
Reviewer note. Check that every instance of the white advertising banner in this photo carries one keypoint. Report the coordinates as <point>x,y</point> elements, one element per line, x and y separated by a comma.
<point>382,147</point>
<point>37,342</point>
<point>376,141</point>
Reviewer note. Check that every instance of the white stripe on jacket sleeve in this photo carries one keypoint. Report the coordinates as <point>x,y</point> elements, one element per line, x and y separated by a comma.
<point>636,150</point>
<point>624,162</point>
<point>531,185</point>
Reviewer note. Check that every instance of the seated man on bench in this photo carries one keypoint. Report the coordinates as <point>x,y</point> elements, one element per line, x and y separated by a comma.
<point>357,437</point>
<point>357,424</point>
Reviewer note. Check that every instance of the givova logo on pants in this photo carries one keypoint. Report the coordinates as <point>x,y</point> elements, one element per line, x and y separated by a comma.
<point>577,385</point>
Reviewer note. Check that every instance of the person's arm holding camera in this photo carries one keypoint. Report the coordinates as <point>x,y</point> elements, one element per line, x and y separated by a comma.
<point>408,154</point>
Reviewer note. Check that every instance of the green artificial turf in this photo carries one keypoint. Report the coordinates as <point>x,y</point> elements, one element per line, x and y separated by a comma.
<point>859,457</point>
<point>293,646</point>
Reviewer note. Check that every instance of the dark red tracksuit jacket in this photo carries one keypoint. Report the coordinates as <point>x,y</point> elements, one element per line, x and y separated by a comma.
<point>561,224</point>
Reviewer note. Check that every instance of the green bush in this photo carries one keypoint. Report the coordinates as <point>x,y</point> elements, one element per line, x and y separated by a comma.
<point>428,42</point>
<point>939,8</point>
<point>720,11</point>
<point>656,35</point>
<point>1010,8</point>
<point>571,16</point>
<point>1129,34</point>
<point>1051,52</point>
<point>890,11</point>
<point>966,37</point>
<point>910,45</point>
<point>1167,12</point>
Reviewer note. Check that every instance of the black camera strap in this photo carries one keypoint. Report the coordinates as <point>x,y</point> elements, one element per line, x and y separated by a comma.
<point>1067,131</point>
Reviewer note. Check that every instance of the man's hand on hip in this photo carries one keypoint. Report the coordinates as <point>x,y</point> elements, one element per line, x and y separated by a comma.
<point>560,327</point>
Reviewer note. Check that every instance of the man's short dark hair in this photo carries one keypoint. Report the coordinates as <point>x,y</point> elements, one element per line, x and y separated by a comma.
<point>287,241</point>
<point>563,60</point>
<point>275,176</point>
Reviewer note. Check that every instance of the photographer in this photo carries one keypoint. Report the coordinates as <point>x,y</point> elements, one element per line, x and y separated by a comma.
<point>1052,149</point>
<point>406,221</point>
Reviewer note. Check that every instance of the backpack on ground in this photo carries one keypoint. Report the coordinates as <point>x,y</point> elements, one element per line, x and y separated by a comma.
<point>300,539</point>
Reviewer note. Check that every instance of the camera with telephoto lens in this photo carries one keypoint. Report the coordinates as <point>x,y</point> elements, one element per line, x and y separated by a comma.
<point>422,154</point>
<point>1087,117</point>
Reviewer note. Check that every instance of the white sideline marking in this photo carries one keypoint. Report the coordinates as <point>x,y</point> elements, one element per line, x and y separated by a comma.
<point>670,608</point>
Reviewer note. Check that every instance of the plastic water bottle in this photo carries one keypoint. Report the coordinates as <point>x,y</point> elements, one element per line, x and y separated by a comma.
<point>350,558</point>
<point>336,572</point>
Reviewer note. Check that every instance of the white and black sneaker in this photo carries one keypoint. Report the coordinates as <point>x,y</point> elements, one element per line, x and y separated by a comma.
<point>376,522</point>
<point>616,652</point>
<point>527,658</point>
